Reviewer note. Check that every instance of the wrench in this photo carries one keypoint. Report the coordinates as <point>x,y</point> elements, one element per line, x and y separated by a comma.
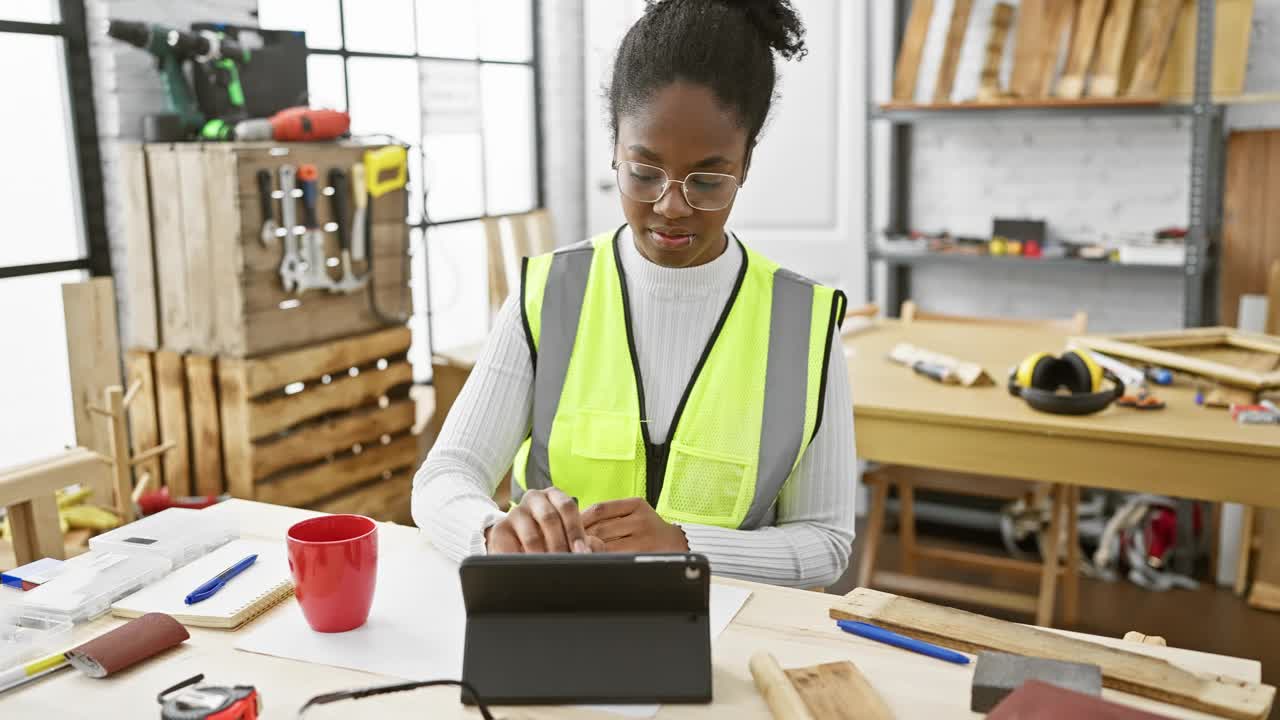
<point>314,275</point>
<point>291,263</point>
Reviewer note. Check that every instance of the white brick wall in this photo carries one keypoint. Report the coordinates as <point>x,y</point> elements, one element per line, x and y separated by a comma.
<point>126,87</point>
<point>1084,176</point>
<point>563,117</point>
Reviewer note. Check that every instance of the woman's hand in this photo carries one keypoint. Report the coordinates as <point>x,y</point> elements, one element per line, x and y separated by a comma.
<point>545,521</point>
<point>630,525</point>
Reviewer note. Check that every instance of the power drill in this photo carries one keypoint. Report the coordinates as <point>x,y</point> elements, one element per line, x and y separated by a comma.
<point>209,51</point>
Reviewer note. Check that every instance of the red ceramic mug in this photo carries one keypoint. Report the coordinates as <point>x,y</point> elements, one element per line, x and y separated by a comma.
<point>334,561</point>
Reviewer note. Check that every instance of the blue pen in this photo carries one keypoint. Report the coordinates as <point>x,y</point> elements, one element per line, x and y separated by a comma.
<point>871,632</point>
<point>206,591</point>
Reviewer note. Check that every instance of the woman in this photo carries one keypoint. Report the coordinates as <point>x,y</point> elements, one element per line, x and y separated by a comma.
<point>661,388</point>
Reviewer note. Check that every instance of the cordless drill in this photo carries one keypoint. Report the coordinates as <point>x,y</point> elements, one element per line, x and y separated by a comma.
<point>171,47</point>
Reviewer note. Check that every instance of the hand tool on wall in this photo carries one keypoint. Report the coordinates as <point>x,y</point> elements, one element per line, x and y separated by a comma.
<point>269,225</point>
<point>359,221</point>
<point>385,169</point>
<point>349,282</point>
<point>291,263</point>
<point>296,124</point>
<point>314,275</point>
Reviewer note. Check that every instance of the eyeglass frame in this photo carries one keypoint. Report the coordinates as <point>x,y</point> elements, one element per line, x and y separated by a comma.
<point>684,189</point>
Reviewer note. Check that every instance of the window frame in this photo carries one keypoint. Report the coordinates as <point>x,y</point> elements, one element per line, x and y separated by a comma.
<point>96,250</point>
<point>534,63</point>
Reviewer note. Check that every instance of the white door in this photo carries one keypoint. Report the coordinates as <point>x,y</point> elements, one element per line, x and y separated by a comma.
<point>803,204</point>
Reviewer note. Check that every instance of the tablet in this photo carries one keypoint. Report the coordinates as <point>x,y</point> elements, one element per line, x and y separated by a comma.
<point>587,628</point>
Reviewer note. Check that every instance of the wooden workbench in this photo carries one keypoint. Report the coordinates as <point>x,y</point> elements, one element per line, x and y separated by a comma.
<point>1184,450</point>
<point>791,624</point>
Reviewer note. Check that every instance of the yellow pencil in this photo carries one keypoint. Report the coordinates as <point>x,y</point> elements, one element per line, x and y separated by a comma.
<point>26,673</point>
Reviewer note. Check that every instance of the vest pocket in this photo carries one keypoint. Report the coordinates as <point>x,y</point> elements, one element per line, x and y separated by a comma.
<point>603,435</point>
<point>704,486</point>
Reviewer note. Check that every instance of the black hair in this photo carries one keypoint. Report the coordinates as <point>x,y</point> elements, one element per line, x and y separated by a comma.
<point>726,45</point>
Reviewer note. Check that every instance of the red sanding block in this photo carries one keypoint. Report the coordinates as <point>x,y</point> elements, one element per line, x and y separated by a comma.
<point>1036,700</point>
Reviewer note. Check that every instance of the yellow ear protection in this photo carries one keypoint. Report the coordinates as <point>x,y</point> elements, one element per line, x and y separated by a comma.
<point>1038,378</point>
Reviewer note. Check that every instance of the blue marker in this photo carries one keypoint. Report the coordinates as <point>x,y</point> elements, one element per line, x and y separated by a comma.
<point>871,632</point>
<point>207,590</point>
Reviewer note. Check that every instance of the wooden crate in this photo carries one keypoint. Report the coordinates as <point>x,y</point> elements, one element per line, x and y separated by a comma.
<point>327,427</point>
<point>216,288</point>
<point>294,428</point>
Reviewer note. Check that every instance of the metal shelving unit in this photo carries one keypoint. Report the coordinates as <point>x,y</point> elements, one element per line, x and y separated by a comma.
<point>1204,214</point>
<point>917,259</point>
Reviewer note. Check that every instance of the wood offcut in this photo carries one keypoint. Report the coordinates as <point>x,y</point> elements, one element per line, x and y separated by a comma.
<point>831,691</point>
<point>1121,670</point>
<point>956,30</point>
<point>907,69</point>
<point>989,88</point>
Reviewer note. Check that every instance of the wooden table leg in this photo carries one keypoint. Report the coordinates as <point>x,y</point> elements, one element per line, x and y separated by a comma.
<point>907,525</point>
<point>875,528</point>
<point>1071,577</point>
<point>1246,549</point>
<point>1049,564</point>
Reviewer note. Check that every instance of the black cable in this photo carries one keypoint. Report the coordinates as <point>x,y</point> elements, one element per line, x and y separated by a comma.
<point>332,697</point>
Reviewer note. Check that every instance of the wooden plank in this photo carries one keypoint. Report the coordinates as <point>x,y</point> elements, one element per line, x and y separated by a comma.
<point>908,66</point>
<point>206,433</point>
<point>782,697</point>
<point>955,592</point>
<point>142,326</point>
<point>170,248</point>
<point>837,690</point>
<point>93,353</point>
<point>1146,74</point>
<point>267,417</point>
<point>1121,670</point>
<point>237,444</point>
<point>33,525</point>
<point>1026,48</point>
<point>171,395</point>
<point>874,531</point>
<point>384,499</point>
<point>144,424</point>
<point>118,436</point>
<point>308,486</point>
<point>1273,299</point>
<point>275,371</point>
<point>1048,594</point>
<point>202,292</point>
<point>1056,32</point>
<point>993,562</point>
<point>224,249</point>
<point>322,320</point>
<point>1266,574</point>
<point>1246,217</point>
<point>261,291</point>
<point>951,51</point>
<point>1083,43</point>
<point>1030,104</point>
<point>1174,361</point>
<point>50,474</point>
<point>543,231</point>
<point>1112,41</point>
<point>1233,21</point>
<point>331,437</point>
<point>496,253</point>
<point>997,36</point>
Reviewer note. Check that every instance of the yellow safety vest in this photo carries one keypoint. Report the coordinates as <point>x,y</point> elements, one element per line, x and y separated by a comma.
<point>745,419</point>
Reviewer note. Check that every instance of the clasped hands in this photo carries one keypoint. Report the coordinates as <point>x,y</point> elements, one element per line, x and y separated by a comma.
<point>550,521</point>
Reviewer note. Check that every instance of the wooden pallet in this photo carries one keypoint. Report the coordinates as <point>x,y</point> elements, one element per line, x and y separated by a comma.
<point>327,427</point>
<point>208,285</point>
<point>295,428</point>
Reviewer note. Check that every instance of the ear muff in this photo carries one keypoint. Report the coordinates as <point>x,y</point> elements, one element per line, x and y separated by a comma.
<point>1038,378</point>
<point>1090,371</point>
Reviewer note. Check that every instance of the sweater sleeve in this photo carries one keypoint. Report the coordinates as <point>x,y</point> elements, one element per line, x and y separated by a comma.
<point>452,498</point>
<point>811,542</point>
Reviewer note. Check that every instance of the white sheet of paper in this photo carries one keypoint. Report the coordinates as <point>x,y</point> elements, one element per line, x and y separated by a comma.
<point>416,627</point>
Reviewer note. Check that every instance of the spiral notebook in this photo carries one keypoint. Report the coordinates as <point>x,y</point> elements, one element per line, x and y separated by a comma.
<point>244,597</point>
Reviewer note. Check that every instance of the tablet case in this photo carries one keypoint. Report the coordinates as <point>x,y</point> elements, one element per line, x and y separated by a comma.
<point>590,628</point>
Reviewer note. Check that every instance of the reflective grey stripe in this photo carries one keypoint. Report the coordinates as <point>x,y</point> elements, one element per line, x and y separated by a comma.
<point>561,307</point>
<point>785,391</point>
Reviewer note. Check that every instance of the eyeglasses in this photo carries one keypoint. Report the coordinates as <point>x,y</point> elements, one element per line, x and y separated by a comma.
<point>702,190</point>
<point>469,693</point>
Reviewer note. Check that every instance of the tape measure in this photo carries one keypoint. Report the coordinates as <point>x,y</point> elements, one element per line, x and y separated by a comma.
<point>209,702</point>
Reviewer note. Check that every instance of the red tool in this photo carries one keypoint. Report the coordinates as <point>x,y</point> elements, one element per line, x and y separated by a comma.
<point>154,501</point>
<point>209,702</point>
<point>296,124</point>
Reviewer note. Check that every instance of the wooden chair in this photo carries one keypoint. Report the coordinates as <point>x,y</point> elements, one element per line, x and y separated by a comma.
<point>1064,502</point>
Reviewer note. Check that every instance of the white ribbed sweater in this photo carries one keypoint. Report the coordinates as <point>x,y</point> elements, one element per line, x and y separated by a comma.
<point>673,314</point>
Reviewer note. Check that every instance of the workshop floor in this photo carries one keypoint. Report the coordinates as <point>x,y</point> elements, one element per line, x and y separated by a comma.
<point>1210,619</point>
